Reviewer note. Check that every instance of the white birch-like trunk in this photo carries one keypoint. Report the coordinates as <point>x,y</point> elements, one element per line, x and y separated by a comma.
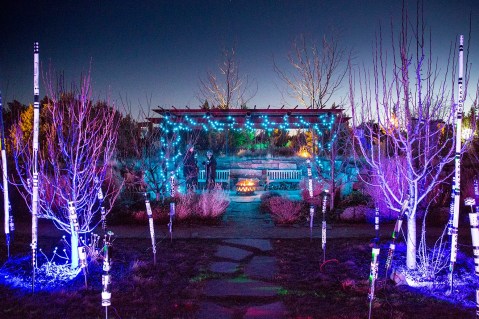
<point>411,242</point>
<point>74,246</point>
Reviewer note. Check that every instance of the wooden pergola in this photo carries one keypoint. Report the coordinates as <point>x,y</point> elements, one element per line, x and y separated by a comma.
<point>255,118</point>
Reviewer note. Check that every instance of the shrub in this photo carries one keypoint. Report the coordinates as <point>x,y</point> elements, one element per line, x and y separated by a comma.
<point>284,211</point>
<point>356,198</point>
<point>265,198</point>
<point>318,188</point>
<point>187,205</point>
<point>213,204</point>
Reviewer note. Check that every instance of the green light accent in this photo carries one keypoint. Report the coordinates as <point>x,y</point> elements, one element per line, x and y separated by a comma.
<point>241,279</point>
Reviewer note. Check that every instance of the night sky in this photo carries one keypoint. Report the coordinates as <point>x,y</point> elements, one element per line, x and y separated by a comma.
<point>159,49</point>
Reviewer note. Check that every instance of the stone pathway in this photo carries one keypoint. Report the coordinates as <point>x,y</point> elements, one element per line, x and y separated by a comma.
<point>242,286</point>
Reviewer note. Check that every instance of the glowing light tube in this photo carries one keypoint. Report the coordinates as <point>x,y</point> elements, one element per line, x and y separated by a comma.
<point>473,220</point>
<point>311,194</point>
<point>397,229</point>
<point>323,226</point>
<point>36,124</point>
<point>8,218</point>
<point>373,275</point>
<point>152,227</point>
<point>457,162</point>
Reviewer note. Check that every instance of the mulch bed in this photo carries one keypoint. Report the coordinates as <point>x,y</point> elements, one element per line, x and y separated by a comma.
<point>173,288</point>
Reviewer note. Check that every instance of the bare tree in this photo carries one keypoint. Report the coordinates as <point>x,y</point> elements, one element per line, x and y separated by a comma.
<point>406,136</point>
<point>75,163</point>
<point>227,88</point>
<point>316,72</point>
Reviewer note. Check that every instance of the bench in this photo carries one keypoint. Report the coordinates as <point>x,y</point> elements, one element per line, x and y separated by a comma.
<point>222,176</point>
<point>283,175</point>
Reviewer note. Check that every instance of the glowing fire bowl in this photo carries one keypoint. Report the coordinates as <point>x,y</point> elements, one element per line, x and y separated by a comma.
<point>245,187</point>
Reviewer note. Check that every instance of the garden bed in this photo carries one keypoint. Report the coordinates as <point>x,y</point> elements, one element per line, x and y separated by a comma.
<point>173,288</point>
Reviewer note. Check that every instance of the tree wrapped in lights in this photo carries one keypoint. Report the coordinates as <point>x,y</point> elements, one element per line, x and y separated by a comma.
<point>78,140</point>
<point>151,152</point>
<point>406,119</point>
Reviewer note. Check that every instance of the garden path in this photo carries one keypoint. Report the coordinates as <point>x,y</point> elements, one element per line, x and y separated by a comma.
<point>242,270</point>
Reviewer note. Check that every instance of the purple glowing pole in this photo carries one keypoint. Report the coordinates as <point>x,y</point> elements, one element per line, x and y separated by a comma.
<point>457,166</point>
<point>474,222</point>
<point>376,225</point>
<point>6,201</point>
<point>397,229</point>
<point>373,275</point>
<point>476,194</point>
<point>323,226</point>
<point>36,124</point>
<point>102,207</point>
<point>152,227</point>
<point>311,205</point>
<point>106,277</point>
<point>172,204</point>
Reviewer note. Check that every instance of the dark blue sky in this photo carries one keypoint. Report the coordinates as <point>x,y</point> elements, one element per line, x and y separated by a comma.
<point>160,49</point>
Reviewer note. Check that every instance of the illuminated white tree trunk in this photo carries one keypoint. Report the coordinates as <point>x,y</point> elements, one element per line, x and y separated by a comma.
<point>411,242</point>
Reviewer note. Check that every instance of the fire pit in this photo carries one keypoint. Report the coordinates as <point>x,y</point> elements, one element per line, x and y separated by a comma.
<point>246,187</point>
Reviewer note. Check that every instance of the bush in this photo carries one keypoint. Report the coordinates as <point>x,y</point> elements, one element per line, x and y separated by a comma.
<point>265,198</point>
<point>213,204</point>
<point>356,198</point>
<point>284,211</point>
<point>318,188</point>
<point>187,205</point>
<point>357,213</point>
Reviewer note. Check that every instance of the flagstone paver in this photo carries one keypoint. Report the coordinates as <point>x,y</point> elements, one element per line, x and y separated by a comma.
<point>224,267</point>
<point>261,267</point>
<point>246,277</point>
<point>261,244</point>
<point>232,253</point>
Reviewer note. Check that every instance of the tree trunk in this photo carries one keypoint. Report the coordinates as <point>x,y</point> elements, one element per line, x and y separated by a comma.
<point>411,242</point>
<point>332,191</point>
<point>74,247</point>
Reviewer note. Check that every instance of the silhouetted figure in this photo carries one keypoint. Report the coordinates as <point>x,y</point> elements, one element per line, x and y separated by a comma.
<point>210,168</point>
<point>190,169</point>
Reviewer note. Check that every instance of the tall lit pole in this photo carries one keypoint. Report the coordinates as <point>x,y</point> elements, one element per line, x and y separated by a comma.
<point>36,124</point>
<point>8,222</point>
<point>457,166</point>
<point>311,196</point>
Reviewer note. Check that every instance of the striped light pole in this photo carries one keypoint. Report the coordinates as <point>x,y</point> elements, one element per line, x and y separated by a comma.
<point>8,221</point>
<point>457,166</point>
<point>311,195</point>
<point>36,124</point>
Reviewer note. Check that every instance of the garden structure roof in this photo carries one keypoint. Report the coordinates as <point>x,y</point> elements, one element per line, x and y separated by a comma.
<point>255,118</point>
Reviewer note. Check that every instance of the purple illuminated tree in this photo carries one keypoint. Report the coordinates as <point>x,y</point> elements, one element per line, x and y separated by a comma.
<point>403,119</point>
<point>78,141</point>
